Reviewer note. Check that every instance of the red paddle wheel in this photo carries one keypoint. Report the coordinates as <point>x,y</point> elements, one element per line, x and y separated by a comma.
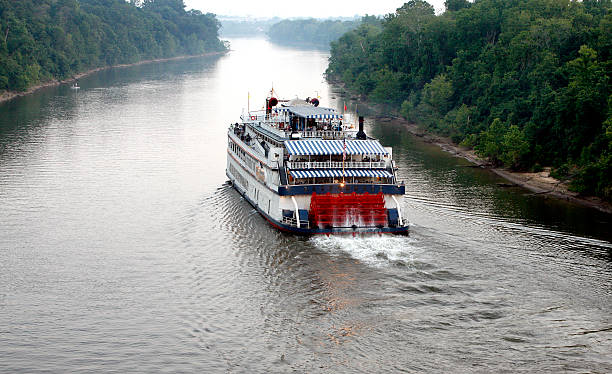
<point>346,210</point>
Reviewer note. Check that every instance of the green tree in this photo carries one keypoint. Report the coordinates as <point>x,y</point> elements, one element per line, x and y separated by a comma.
<point>455,5</point>
<point>491,141</point>
<point>514,148</point>
<point>437,94</point>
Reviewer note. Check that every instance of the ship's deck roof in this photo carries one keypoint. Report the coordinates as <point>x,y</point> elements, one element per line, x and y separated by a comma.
<point>334,147</point>
<point>307,111</point>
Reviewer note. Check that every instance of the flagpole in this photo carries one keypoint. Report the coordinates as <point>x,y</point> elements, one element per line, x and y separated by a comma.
<point>343,114</point>
<point>343,157</point>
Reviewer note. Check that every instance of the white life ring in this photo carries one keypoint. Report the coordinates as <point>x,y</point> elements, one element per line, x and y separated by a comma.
<point>253,118</point>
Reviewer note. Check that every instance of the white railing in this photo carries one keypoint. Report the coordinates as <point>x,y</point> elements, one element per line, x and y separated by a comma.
<point>328,134</point>
<point>254,116</point>
<point>274,130</point>
<point>336,165</point>
<point>291,221</point>
<point>322,134</point>
<point>273,124</point>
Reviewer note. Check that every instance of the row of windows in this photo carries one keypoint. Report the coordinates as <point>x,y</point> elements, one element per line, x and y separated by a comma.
<point>249,160</point>
<point>239,177</point>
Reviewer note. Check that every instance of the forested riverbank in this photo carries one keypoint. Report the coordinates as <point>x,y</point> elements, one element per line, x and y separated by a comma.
<point>9,95</point>
<point>48,41</point>
<point>525,83</point>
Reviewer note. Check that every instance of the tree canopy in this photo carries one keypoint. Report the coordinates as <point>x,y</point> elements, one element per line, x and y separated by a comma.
<point>524,82</point>
<point>41,40</point>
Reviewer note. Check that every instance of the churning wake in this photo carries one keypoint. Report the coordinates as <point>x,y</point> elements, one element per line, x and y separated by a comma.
<point>372,249</point>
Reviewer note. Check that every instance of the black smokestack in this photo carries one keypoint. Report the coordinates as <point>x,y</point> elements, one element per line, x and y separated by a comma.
<point>360,134</point>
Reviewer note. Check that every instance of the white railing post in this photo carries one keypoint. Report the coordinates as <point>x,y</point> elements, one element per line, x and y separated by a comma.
<point>297,215</point>
<point>399,211</point>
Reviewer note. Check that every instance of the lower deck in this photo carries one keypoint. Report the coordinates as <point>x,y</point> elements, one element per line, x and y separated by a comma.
<point>322,209</point>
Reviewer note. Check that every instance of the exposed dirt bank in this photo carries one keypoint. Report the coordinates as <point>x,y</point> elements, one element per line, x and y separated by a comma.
<point>9,95</point>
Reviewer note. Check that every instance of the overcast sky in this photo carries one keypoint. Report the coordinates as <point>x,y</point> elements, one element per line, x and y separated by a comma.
<point>303,8</point>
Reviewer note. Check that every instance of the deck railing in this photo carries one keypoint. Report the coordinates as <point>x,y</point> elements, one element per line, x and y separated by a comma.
<point>273,124</point>
<point>291,221</point>
<point>336,165</point>
<point>318,134</point>
<point>328,134</point>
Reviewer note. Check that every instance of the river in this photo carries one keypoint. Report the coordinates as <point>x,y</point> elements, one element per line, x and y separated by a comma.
<point>123,249</point>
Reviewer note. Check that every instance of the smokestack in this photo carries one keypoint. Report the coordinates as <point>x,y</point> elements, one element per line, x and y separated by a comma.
<point>360,134</point>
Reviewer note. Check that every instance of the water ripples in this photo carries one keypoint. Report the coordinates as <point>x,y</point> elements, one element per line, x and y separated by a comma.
<point>119,234</point>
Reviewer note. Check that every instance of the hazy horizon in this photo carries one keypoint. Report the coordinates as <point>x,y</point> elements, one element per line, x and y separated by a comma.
<point>313,8</point>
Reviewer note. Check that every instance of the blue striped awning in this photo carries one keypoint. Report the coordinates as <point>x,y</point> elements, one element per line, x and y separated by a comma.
<point>334,147</point>
<point>331,173</point>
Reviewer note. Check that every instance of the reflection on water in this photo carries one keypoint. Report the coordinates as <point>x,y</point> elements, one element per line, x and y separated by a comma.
<point>123,248</point>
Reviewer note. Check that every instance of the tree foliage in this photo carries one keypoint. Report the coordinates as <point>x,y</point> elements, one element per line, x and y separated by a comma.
<point>524,82</point>
<point>42,40</point>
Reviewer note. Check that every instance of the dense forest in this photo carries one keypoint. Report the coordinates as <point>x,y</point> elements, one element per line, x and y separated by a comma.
<point>41,40</point>
<point>311,31</point>
<point>526,83</point>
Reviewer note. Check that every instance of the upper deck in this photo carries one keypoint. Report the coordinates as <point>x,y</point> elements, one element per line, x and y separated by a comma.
<point>313,146</point>
<point>299,122</point>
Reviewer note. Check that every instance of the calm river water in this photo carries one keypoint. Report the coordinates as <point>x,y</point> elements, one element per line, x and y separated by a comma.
<point>123,249</point>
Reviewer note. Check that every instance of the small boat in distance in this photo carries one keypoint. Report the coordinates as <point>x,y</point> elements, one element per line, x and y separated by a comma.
<point>75,86</point>
<point>307,172</point>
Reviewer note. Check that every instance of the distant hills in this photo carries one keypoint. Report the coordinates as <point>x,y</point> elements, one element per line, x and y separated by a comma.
<point>245,26</point>
<point>310,31</point>
<point>294,31</point>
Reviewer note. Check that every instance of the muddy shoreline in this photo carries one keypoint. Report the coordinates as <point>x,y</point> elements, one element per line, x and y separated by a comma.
<point>9,95</point>
<point>540,183</point>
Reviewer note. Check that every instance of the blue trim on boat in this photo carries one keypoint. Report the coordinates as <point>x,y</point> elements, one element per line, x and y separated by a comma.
<point>309,189</point>
<point>327,173</point>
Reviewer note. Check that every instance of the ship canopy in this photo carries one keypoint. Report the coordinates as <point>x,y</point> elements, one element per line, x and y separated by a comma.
<point>309,111</point>
<point>334,147</point>
<point>330,173</point>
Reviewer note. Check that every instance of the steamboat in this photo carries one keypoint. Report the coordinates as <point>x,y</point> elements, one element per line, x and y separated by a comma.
<point>307,172</point>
